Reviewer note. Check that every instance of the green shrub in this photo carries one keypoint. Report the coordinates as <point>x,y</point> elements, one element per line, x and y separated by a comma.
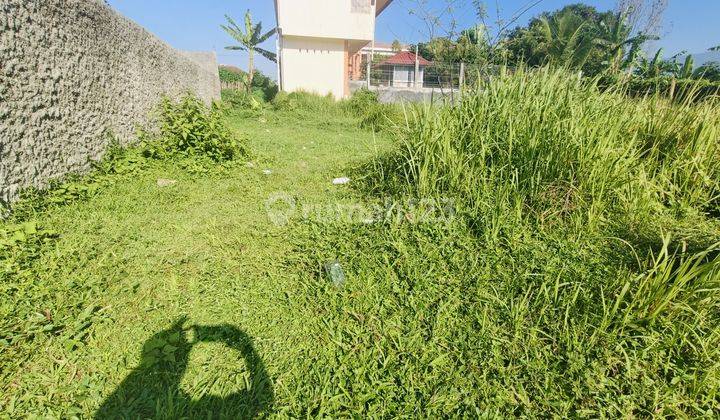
<point>374,115</point>
<point>301,101</point>
<point>262,86</point>
<point>241,100</point>
<point>680,90</point>
<point>362,105</point>
<point>189,128</point>
<point>383,117</point>
<point>232,75</point>
<point>361,100</point>
<point>709,71</point>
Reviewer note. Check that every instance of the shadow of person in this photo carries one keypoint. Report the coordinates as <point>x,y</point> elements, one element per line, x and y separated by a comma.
<point>153,389</point>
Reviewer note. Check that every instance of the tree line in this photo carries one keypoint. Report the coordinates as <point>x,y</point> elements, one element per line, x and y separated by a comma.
<point>577,36</point>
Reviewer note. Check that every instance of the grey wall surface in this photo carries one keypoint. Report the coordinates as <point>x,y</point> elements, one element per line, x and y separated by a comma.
<point>392,94</point>
<point>73,71</point>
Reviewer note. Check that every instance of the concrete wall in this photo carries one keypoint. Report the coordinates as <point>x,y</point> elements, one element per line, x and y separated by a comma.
<point>390,95</point>
<point>314,65</point>
<point>72,71</point>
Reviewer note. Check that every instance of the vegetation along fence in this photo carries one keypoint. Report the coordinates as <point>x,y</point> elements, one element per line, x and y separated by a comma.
<point>235,85</point>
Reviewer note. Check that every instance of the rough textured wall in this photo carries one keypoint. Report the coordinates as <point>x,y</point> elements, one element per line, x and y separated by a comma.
<point>71,73</point>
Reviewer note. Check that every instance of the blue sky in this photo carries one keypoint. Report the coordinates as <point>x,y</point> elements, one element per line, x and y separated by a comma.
<point>194,25</point>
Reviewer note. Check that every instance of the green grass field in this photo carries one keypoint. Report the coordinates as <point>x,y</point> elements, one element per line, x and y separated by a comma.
<point>471,292</point>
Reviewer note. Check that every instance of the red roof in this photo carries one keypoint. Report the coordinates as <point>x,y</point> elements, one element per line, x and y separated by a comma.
<point>405,58</point>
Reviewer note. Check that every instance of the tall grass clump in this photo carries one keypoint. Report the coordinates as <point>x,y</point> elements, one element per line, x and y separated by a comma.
<point>241,100</point>
<point>363,108</point>
<point>581,274</point>
<point>303,102</point>
<point>374,115</point>
<point>546,146</point>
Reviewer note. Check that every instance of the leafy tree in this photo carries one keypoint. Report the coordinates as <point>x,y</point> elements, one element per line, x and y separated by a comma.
<point>472,45</point>
<point>562,40</point>
<point>614,37</point>
<point>575,26</point>
<point>709,71</point>
<point>437,49</point>
<point>656,66</point>
<point>250,38</point>
<point>686,71</point>
<point>397,46</point>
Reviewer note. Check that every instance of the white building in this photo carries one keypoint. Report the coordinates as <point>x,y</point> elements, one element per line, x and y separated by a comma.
<point>399,70</point>
<point>317,38</point>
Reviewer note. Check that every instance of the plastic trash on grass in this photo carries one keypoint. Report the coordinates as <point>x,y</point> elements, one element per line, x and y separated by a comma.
<point>341,181</point>
<point>335,273</point>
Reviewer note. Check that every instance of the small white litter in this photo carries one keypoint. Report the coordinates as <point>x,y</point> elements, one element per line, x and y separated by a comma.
<point>165,182</point>
<point>267,172</point>
<point>341,181</point>
<point>250,165</point>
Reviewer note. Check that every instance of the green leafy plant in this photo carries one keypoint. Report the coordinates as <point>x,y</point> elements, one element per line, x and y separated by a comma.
<point>117,162</point>
<point>300,101</point>
<point>372,114</point>
<point>242,100</point>
<point>161,350</point>
<point>263,87</point>
<point>361,100</point>
<point>188,128</point>
<point>20,242</point>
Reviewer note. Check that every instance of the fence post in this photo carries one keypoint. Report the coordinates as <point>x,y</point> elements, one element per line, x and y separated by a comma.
<point>461,83</point>
<point>673,85</point>
<point>417,68</point>
<point>371,58</point>
<point>367,73</point>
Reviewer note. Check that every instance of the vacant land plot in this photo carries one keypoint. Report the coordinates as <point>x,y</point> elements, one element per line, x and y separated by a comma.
<point>481,276</point>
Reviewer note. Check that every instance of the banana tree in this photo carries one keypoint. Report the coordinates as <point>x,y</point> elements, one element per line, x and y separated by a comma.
<point>614,36</point>
<point>250,38</point>
<point>686,71</point>
<point>656,67</point>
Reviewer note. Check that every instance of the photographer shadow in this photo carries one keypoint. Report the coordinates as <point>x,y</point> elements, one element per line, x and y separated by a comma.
<point>153,389</point>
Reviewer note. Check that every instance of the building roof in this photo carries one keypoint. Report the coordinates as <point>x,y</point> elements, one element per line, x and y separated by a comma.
<point>405,58</point>
<point>381,5</point>
<point>384,47</point>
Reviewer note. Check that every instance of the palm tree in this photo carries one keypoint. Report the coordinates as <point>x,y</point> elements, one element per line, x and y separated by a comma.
<point>564,40</point>
<point>614,35</point>
<point>249,40</point>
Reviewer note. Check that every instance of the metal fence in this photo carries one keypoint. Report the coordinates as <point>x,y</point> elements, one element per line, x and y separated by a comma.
<point>433,76</point>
